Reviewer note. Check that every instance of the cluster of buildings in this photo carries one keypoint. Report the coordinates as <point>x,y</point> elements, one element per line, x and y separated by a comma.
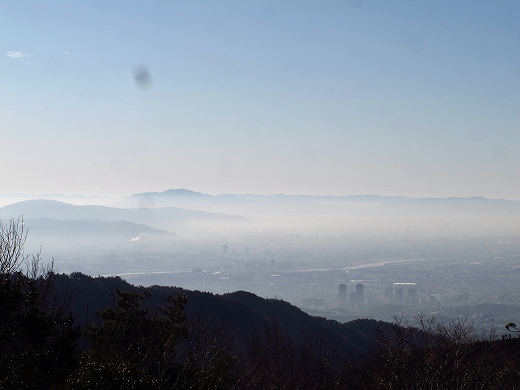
<point>399,293</point>
<point>356,297</point>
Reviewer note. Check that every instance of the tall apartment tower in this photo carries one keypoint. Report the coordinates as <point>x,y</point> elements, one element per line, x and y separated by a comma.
<point>388,294</point>
<point>359,293</point>
<point>412,294</point>
<point>343,292</point>
<point>399,295</point>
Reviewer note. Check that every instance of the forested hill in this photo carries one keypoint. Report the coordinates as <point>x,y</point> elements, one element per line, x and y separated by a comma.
<point>81,332</point>
<point>243,314</point>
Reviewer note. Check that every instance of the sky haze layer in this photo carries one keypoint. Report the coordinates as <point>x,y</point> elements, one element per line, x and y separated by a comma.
<point>409,98</point>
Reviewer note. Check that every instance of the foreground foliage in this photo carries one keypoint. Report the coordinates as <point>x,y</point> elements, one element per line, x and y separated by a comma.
<point>131,346</point>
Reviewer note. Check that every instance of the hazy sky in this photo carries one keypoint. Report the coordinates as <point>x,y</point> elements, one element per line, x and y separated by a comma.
<point>415,98</point>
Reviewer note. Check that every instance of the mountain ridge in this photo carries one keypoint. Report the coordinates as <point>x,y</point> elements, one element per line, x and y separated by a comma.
<point>242,312</point>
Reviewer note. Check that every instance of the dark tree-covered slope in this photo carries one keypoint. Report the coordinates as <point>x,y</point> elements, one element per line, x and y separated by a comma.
<point>241,312</point>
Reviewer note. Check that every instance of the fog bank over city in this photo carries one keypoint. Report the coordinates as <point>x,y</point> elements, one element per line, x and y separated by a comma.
<point>296,248</point>
<point>176,217</point>
<point>193,215</point>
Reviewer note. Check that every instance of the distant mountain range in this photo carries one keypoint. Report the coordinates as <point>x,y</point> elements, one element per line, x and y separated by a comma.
<point>162,216</point>
<point>184,212</point>
<point>179,197</point>
<point>59,222</point>
<point>182,196</point>
<point>329,214</point>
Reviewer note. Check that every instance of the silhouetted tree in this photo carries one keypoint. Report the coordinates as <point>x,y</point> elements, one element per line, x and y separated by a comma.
<point>132,349</point>
<point>13,235</point>
<point>37,335</point>
<point>426,354</point>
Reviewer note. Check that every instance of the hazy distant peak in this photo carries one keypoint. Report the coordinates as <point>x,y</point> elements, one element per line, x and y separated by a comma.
<point>42,201</point>
<point>183,192</point>
<point>37,208</point>
<point>456,204</point>
<point>47,203</point>
<point>180,192</point>
<point>453,199</point>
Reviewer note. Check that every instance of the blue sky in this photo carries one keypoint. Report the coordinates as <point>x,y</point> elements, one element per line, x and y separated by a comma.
<point>414,98</point>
